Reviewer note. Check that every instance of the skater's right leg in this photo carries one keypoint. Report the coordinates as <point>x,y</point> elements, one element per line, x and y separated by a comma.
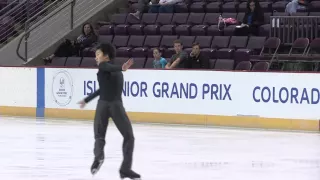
<point>123,124</point>
<point>100,127</point>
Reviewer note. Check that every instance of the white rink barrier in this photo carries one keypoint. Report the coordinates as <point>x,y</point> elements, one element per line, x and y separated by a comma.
<point>242,99</point>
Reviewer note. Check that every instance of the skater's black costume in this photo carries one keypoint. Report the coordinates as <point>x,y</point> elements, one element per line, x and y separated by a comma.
<point>110,80</point>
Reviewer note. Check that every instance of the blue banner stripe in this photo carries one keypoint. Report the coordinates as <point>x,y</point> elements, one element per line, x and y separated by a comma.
<point>40,92</point>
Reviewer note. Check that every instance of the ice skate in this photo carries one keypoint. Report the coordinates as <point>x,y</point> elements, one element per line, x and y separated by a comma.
<point>96,166</point>
<point>130,174</point>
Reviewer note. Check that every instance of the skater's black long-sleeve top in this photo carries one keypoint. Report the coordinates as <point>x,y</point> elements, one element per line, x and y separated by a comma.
<point>110,80</point>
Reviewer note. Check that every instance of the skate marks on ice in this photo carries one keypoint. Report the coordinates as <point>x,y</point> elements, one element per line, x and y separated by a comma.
<point>51,150</point>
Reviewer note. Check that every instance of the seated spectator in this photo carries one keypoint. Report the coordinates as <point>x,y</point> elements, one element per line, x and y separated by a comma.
<point>70,48</point>
<point>252,20</point>
<point>164,6</point>
<point>158,62</point>
<point>295,5</point>
<point>197,60</point>
<point>177,60</point>
<point>142,4</point>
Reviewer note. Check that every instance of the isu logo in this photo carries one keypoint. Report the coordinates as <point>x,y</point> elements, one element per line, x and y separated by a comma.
<point>62,88</point>
<point>62,83</point>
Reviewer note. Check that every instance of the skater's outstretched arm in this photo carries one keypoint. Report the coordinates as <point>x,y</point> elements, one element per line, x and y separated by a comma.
<point>105,66</point>
<point>92,96</point>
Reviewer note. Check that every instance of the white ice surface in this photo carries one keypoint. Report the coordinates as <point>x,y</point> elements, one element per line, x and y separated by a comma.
<point>62,150</point>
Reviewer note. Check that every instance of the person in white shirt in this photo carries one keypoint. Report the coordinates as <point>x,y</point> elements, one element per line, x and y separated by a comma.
<point>294,5</point>
<point>142,6</point>
<point>164,6</point>
<point>156,6</point>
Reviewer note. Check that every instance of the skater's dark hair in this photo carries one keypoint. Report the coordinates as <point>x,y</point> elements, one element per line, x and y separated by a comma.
<point>108,49</point>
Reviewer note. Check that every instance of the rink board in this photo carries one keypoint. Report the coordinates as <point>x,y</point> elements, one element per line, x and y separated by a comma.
<point>240,99</point>
<point>205,120</point>
<point>188,119</point>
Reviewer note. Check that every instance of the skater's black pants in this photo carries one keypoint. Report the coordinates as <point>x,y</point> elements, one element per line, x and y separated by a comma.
<point>116,111</point>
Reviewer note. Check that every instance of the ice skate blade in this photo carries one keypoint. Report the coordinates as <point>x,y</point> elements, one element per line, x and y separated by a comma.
<point>95,171</point>
<point>123,177</point>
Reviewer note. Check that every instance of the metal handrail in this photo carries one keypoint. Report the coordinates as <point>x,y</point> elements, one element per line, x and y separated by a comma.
<point>18,16</point>
<point>19,5</point>
<point>8,6</point>
<point>288,28</point>
<point>29,29</point>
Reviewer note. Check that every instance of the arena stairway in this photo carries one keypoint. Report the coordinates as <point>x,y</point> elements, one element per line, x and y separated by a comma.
<point>45,38</point>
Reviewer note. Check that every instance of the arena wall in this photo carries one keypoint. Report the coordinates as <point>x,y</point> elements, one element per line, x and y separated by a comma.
<point>240,99</point>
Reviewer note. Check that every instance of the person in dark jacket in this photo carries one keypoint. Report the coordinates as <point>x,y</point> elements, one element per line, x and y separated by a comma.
<point>88,38</point>
<point>70,48</point>
<point>252,20</point>
<point>110,104</point>
<point>196,59</point>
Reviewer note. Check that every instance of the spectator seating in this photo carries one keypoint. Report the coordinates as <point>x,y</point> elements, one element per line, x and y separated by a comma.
<point>226,53</point>
<point>194,24</point>
<point>216,6</point>
<point>197,21</point>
